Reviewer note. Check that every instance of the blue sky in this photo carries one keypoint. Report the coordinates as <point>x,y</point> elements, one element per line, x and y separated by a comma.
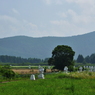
<point>38,18</point>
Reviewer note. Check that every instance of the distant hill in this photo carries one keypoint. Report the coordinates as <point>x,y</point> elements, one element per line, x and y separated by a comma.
<point>42,47</point>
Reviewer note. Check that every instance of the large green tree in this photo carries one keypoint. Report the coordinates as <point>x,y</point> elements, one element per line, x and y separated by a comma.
<point>62,56</point>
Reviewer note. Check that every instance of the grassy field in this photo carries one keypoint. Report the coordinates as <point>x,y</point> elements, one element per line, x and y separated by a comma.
<point>54,84</point>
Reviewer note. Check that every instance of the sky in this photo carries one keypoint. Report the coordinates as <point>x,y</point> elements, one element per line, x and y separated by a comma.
<point>39,18</point>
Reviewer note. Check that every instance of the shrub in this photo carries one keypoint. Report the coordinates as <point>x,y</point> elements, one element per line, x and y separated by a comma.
<point>7,72</point>
<point>71,68</point>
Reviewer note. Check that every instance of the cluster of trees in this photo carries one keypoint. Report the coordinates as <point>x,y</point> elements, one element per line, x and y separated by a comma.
<point>87,59</point>
<point>13,59</point>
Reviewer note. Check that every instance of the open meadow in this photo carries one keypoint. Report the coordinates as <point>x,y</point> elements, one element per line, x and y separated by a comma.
<point>60,83</point>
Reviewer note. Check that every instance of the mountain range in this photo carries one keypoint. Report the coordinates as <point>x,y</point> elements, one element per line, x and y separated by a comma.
<point>41,47</point>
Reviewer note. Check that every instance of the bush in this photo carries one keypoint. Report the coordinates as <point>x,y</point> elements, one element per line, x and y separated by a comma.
<point>71,68</point>
<point>7,72</point>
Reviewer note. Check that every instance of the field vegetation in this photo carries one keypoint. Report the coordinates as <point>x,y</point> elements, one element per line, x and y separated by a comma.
<point>15,80</point>
<point>59,83</point>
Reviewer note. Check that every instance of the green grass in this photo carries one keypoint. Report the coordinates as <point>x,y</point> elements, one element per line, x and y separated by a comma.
<point>53,84</point>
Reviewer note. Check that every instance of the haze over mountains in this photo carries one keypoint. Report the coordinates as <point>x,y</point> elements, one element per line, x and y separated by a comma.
<point>26,47</point>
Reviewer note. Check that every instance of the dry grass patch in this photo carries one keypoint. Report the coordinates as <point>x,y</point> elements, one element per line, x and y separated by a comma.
<point>28,71</point>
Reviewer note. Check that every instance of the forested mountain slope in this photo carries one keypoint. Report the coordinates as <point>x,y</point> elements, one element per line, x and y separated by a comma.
<point>42,47</point>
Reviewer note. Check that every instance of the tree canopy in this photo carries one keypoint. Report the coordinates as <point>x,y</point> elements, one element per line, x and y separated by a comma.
<point>80,58</point>
<point>13,59</point>
<point>87,59</point>
<point>62,56</point>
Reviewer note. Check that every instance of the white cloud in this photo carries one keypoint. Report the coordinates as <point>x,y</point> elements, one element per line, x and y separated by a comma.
<point>65,28</point>
<point>82,18</point>
<point>87,6</point>
<point>71,18</point>
<point>8,18</point>
<point>77,18</point>
<point>71,12</point>
<point>32,25</point>
<point>76,22</point>
<point>61,22</point>
<point>53,1</point>
<point>58,1</point>
<point>11,26</point>
<point>28,25</point>
<point>62,14</point>
<point>47,1</point>
<point>87,14</point>
<point>15,11</point>
<point>82,1</point>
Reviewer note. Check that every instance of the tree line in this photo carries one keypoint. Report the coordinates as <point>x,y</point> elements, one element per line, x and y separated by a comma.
<point>87,59</point>
<point>14,59</point>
